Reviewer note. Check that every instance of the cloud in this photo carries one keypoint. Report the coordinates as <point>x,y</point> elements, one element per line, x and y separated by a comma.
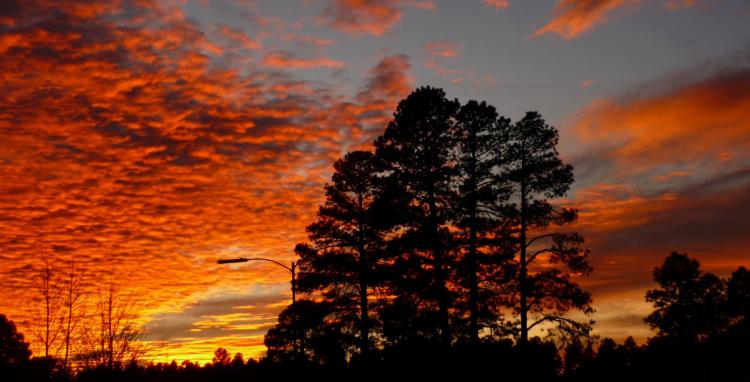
<point>303,39</point>
<point>368,17</point>
<point>497,4</point>
<point>387,82</point>
<point>444,49</point>
<point>665,170</point>
<point>426,5</point>
<point>705,121</point>
<point>389,79</point>
<point>674,5</point>
<point>288,60</point>
<point>439,53</point>
<point>130,146</point>
<point>237,36</point>
<point>573,18</point>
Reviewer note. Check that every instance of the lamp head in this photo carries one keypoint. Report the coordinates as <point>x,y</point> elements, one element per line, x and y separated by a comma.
<point>229,261</point>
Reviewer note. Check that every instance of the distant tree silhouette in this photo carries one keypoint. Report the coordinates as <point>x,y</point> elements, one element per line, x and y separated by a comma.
<point>479,132</point>
<point>221,357</point>
<point>698,320</point>
<point>731,346</point>
<point>417,147</point>
<point>738,298</point>
<point>535,173</point>
<point>347,243</point>
<point>688,304</point>
<point>307,333</point>
<point>238,360</point>
<point>14,350</point>
<point>577,358</point>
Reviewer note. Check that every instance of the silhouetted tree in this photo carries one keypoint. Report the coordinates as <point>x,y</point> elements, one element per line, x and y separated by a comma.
<point>221,357</point>
<point>238,360</point>
<point>307,332</point>
<point>14,350</point>
<point>536,174</point>
<point>479,133</point>
<point>738,298</point>
<point>47,315</point>
<point>577,358</point>
<point>73,304</point>
<point>112,341</point>
<point>688,304</point>
<point>417,147</point>
<point>347,243</point>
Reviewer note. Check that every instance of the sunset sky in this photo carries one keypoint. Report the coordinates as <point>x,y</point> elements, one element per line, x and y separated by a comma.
<point>146,139</point>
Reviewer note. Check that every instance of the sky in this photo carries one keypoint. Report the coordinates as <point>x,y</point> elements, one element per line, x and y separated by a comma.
<point>145,139</point>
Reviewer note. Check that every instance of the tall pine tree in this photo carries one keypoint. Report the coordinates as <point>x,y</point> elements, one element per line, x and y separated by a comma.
<point>347,243</point>
<point>545,257</point>
<point>480,193</point>
<point>417,147</point>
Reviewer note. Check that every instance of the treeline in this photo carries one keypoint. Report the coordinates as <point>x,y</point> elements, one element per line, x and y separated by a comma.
<point>701,321</point>
<point>702,325</point>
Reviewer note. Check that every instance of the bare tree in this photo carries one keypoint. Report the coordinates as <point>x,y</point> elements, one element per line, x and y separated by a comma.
<point>73,307</point>
<point>119,328</point>
<point>46,325</point>
<point>110,335</point>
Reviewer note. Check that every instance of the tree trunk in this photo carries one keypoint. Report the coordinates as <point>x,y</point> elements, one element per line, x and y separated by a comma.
<point>364,334</point>
<point>473,283</point>
<point>364,315</point>
<point>442,293</point>
<point>67,328</point>
<point>523,269</point>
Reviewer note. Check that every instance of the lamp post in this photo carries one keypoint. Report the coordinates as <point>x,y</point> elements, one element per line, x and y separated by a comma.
<point>291,269</point>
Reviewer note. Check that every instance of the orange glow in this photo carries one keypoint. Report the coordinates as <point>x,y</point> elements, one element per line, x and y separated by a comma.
<point>124,148</point>
<point>706,120</point>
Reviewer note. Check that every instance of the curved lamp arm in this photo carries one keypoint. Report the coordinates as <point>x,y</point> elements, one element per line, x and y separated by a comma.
<point>242,260</point>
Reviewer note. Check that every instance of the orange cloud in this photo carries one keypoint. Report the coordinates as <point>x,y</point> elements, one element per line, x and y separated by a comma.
<point>125,148</point>
<point>671,175</point>
<point>287,60</point>
<point>444,49</point>
<point>373,17</point>
<point>497,4</point>
<point>702,121</point>
<point>572,18</point>
<point>438,53</point>
<point>674,5</point>
<point>309,40</point>
<point>663,171</point>
<point>426,5</point>
<point>389,79</point>
<point>237,36</point>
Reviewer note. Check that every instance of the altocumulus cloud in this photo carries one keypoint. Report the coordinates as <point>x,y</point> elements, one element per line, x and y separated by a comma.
<point>667,169</point>
<point>127,147</point>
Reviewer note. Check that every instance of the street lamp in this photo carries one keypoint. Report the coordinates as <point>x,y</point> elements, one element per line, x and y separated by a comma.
<point>291,269</point>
